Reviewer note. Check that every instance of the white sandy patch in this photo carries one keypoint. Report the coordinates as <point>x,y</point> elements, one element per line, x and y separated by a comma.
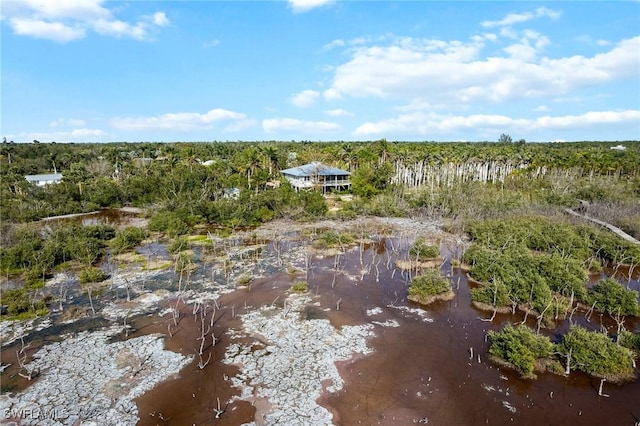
<point>409,312</point>
<point>387,323</point>
<point>374,311</point>
<point>87,380</point>
<point>291,360</point>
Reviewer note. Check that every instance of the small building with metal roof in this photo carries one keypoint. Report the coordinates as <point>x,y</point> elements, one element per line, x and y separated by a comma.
<point>44,179</point>
<point>319,176</point>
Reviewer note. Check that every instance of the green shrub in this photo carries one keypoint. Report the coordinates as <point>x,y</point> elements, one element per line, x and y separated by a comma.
<point>332,238</point>
<point>422,250</point>
<point>127,239</point>
<point>429,283</point>
<point>596,354</point>
<point>313,203</point>
<point>20,305</point>
<point>524,276</point>
<point>300,287</point>
<point>178,245</point>
<point>630,340</point>
<point>171,223</point>
<point>91,275</point>
<point>244,280</point>
<point>537,233</point>
<point>494,294</point>
<point>183,260</point>
<point>386,205</point>
<point>611,297</point>
<point>609,246</point>
<point>33,278</point>
<point>520,347</point>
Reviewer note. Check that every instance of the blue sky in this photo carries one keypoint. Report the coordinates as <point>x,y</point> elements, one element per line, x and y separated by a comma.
<point>101,71</point>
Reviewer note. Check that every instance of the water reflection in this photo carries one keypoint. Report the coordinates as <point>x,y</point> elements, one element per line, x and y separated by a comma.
<point>113,217</point>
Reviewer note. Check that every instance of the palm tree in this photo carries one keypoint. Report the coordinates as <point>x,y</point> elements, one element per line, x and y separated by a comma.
<point>347,155</point>
<point>382,149</point>
<point>251,159</point>
<point>271,153</point>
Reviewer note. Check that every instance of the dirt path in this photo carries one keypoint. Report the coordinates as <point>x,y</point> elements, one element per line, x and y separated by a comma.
<point>619,232</point>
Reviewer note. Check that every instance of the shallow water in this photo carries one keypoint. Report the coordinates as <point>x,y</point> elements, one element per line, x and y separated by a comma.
<point>424,370</point>
<point>113,217</point>
<point>421,371</point>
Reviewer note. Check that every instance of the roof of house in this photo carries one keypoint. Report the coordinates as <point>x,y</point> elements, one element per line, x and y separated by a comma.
<point>315,168</point>
<point>44,177</point>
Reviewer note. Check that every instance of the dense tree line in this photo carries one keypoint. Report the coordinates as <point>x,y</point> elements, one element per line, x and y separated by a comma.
<point>174,174</point>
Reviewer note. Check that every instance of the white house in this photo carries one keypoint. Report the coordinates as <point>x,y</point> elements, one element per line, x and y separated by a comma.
<point>619,147</point>
<point>317,175</point>
<point>44,179</point>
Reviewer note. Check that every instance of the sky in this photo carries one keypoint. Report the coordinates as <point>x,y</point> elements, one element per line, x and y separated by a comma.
<point>318,70</point>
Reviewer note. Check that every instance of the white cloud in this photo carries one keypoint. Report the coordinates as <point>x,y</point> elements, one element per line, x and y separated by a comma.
<point>518,18</point>
<point>75,135</point>
<point>589,119</point>
<point>160,19</point>
<point>67,20</point>
<point>483,125</point>
<point>331,94</point>
<point>300,6</point>
<point>117,28</point>
<point>305,98</point>
<point>541,108</point>
<point>452,71</point>
<point>67,122</point>
<point>240,125</point>
<point>334,43</point>
<point>55,31</point>
<point>528,46</point>
<point>86,132</point>
<point>59,9</point>
<point>339,112</point>
<point>182,121</point>
<point>274,125</point>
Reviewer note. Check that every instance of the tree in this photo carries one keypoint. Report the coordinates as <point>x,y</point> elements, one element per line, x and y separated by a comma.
<point>314,203</point>
<point>128,238</point>
<point>504,138</point>
<point>612,298</point>
<point>426,287</point>
<point>520,347</point>
<point>271,154</point>
<point>368,181</point>
<point>595,354</point>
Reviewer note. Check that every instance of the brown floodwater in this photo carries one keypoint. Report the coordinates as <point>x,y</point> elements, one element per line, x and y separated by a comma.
<point>418,372</point>
<point>193,397</point>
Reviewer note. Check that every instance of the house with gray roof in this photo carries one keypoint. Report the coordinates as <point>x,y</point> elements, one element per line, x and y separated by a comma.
<point>319,176</point>
<point>44,179</point>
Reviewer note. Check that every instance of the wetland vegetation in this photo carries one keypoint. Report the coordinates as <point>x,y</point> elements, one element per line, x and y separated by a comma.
<point>547,293</point>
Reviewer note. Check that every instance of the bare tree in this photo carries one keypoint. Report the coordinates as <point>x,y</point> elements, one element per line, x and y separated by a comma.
<point>21,355</point>
<point>218,411</point>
